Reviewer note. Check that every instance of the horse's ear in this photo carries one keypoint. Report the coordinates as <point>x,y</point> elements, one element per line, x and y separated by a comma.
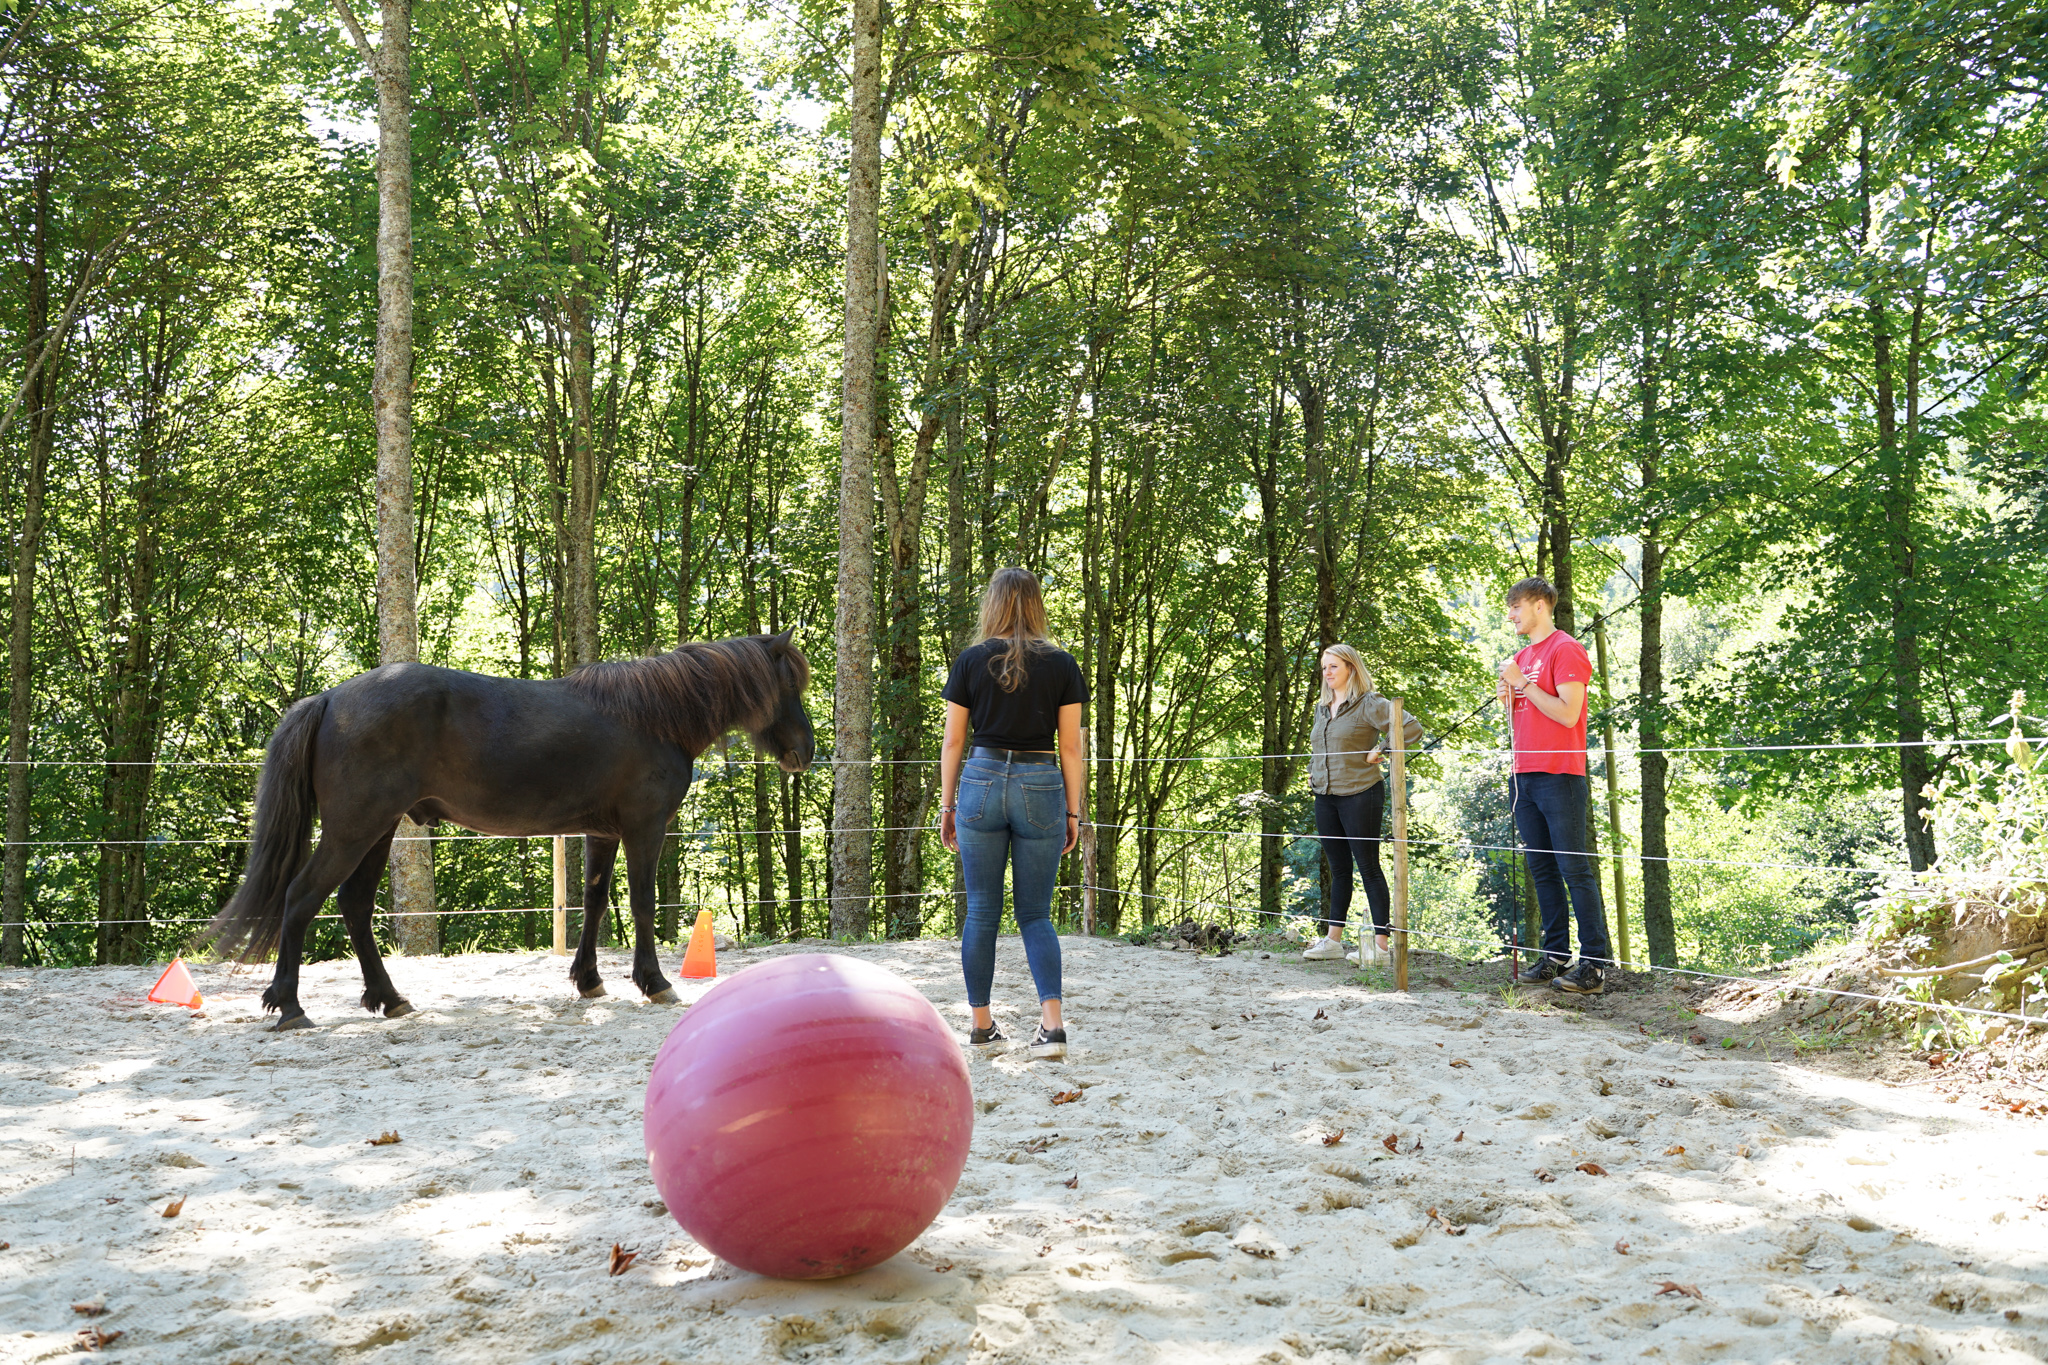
<point>782,640</point>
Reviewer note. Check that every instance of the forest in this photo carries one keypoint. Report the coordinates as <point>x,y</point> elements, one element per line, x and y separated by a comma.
<point>1248,326</point>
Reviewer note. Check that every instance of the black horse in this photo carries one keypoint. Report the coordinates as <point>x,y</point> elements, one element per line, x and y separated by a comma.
<point>605,752</point>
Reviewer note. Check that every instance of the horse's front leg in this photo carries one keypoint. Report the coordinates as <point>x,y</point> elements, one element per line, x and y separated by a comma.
<point>643,851</point>
<point>598,855</point>
<point>323,872</point>
<point>357,902</point>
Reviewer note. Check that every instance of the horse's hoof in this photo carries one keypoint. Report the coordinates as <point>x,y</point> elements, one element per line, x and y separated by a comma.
<point>397,1009</point>
<point>297,1021</point>
<point>665,996</point>
<point>593,992</point>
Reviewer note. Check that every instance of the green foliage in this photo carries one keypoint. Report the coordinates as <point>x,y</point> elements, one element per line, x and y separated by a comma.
<point>1991,819</point>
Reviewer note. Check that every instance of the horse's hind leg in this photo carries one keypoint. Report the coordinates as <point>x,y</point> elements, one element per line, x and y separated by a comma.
<point>357,902</point>
<point>642,851</point>
<point>308,891</point>
<point>598,856</point>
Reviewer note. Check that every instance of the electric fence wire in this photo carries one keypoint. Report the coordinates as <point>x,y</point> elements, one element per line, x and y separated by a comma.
<point>1620,751</point>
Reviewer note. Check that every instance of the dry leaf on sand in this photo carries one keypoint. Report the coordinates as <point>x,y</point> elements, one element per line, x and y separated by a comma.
<point>1392,1142</point>
<point>1545,1176</point>
<point>622,1258</point>
<point>1460,1137</point>
<point>1664,1081</point>
<point>1621,1248</point>
<point>1073,1181</point>
<point>1066,1097</point>
<point>1322,1014</point>
<point>175,1207</point>
<point>91,1308</point>
<point>1591,1168</point>
<point>1446,1224</point>
<point>92,1338</point>
<point>387,1138</point>
<point>1674,1150</point>
<point>1332,1139</point>
<point>1690,1291</point>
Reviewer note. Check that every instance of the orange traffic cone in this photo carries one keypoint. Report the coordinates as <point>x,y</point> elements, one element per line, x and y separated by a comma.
<point>701,958</point>
<point>175,987</point>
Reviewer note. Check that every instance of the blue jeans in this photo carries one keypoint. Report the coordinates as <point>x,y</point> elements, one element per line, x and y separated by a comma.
<point>1011,815</point>
<point>1550,815</point>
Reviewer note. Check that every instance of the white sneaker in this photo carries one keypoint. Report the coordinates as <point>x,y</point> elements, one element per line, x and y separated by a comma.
<point>1324,950</point>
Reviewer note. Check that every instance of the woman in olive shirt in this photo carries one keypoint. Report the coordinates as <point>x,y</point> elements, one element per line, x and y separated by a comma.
<point>1345,773</point>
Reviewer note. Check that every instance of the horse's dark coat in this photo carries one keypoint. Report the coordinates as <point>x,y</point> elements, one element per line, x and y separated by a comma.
<point>605,752</point>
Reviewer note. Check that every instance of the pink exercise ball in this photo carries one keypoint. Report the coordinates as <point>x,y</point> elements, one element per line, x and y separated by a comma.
<point>808,1117</point>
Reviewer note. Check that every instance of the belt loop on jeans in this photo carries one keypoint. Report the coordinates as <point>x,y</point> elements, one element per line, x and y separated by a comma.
<point>1009,755</point>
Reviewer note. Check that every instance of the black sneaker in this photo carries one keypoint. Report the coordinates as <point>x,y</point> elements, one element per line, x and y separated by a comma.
<point>1049,1042</point>
<point>982,1037</point>
<point>1545,969</point>
<point>1583,979</point>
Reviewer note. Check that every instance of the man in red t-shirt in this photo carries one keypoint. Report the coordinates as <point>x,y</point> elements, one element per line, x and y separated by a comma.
<point>1544,690</point>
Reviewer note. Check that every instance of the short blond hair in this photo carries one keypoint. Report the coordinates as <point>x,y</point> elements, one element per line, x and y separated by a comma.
<point>1361,680</point>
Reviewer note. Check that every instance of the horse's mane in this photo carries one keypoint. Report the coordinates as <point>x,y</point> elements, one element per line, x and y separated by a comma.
<point>692,695</point>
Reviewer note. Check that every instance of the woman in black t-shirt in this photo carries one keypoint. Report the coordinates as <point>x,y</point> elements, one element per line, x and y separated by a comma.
<point>1016,800</point>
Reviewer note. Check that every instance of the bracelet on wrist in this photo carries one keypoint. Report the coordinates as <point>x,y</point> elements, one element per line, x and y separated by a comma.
<point>947,810</point>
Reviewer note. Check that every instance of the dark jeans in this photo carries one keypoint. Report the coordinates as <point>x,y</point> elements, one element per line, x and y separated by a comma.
<point>1011,816</point>
<point>1550,815</point>
<point>1349,827</point>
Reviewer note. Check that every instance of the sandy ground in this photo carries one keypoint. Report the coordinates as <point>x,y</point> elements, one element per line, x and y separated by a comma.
<point>1210,1217</point>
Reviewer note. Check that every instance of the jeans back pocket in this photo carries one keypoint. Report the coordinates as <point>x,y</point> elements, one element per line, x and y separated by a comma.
<point>975,799</point>
<point>1045,806</point>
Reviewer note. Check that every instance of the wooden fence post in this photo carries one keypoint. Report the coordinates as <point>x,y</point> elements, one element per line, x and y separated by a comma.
<point>1398,778</point>
<point>561,895</point>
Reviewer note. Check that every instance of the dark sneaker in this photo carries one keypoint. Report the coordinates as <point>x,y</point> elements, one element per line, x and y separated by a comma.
<point>1544,969</point>
<point>982,1037</point>
<point>1049,1042</point>
<point>1583,979</point>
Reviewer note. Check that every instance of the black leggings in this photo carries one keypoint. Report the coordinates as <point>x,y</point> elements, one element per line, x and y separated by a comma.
<point>1349,827</point>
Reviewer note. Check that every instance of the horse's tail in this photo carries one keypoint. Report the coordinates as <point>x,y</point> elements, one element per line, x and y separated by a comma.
<point>249,924</point>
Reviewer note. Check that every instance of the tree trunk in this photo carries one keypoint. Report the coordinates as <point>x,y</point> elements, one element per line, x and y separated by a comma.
<point>1658,930</point>
<point>959,563</point>
<point>132,716</point>
<point>1308,395</point>
<point>763,837</point>
<point>398,639</point>
<point>694,341</point>
<point>579,555</point>
<point>790,785</point>
<point>1898,463</point>
<point>40,396</point>
<point>853,627</point>
<point>1557,522</point>
<point>1274,771</point>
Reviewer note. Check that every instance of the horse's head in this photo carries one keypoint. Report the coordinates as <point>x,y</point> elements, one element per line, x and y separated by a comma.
<point>788,737</point>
